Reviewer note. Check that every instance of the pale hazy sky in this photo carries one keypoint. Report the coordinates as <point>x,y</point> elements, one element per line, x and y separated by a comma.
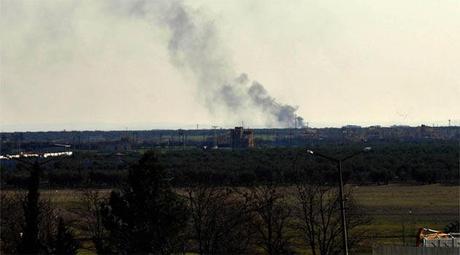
<point>88,65</point>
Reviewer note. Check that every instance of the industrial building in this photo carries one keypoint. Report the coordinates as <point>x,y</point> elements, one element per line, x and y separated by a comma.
<point>242,138</point>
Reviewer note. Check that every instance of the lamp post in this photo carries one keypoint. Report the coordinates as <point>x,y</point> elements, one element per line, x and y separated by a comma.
<point>342,202</point>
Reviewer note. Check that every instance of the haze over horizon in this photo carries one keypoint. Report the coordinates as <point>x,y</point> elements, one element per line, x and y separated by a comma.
<point>187,126</point>
<point>91,65</point>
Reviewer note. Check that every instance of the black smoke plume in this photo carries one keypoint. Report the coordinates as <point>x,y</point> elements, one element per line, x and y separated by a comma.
<point>194,47</point>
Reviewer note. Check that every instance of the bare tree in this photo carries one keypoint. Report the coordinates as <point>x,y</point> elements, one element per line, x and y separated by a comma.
<point>64,241</point>
<point>319,219</point>
<point>220,220</point>
<point>271,219</point>
<point>92,201</point>
<point>11,218</point>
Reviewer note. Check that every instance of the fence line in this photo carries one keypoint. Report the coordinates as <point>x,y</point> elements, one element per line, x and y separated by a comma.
<point>405,250</point>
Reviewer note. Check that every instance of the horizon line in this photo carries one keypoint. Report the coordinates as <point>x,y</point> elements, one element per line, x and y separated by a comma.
<point>158,126</point>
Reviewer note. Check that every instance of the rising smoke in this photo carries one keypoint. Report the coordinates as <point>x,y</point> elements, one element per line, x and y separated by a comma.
<point>194,47</point>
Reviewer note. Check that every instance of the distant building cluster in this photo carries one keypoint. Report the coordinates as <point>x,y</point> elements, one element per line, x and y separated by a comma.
<point>216,138</point>
<point>401,133</point>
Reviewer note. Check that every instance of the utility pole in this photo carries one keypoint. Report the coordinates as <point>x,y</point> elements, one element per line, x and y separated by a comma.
<point>342,210</point>
<point>341,196</point>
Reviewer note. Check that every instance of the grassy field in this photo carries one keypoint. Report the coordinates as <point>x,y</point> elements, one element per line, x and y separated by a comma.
<point>393,207</point>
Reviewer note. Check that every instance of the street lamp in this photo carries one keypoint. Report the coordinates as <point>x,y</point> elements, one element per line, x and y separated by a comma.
<point>342,202</point>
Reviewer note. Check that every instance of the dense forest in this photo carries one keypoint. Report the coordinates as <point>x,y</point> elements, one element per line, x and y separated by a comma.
<point>388,162</point>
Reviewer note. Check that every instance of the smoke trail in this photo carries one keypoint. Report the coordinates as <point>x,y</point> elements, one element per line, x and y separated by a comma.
<point>284,113</point>
<point>194,46</point>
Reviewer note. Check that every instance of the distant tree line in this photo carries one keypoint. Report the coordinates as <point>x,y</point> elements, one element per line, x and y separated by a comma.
<point>409,162</point>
